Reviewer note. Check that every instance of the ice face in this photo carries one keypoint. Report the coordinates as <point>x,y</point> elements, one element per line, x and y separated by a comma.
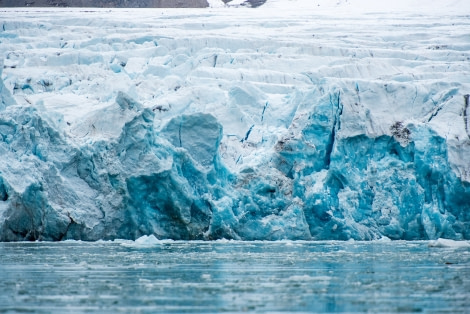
<point>227,124</point>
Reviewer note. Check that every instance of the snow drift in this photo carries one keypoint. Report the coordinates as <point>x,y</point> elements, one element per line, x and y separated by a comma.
<point>235,123</point>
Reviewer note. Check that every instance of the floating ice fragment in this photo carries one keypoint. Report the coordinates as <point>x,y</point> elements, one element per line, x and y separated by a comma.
<point>447,243</point>
<point>145,241</point>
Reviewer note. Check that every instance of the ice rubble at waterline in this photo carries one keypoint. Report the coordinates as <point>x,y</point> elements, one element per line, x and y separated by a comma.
<point>233,123</point>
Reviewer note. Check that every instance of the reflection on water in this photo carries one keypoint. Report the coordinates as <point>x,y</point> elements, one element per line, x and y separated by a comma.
<point>234,276</point>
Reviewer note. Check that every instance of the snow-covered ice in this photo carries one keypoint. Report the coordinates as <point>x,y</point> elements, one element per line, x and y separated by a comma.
<point>295,120</point>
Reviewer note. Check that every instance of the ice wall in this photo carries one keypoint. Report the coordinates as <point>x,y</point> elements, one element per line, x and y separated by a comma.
<point>220,125</point>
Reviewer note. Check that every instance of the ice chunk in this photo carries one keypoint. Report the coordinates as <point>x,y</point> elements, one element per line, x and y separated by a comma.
<point>145,241</point>
<point>447,243</point>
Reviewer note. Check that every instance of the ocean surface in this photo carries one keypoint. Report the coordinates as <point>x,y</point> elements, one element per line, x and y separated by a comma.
<point>231,276</point>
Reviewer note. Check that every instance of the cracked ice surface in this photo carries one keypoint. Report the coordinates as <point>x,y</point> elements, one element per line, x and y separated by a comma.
<point>326,121</point>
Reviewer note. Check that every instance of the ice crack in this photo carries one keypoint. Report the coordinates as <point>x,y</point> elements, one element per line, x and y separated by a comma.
<point>336,127</point>
<point>465,115</point>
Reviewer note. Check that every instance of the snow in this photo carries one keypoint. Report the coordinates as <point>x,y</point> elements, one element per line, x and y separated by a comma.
<point>295,120</point>
<point>363,6</point>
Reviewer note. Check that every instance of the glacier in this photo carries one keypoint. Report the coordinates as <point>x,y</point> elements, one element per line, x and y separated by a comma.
<point>337,121</point>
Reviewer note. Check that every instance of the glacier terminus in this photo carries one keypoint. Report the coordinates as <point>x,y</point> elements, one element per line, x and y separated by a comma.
<point>334,122</point>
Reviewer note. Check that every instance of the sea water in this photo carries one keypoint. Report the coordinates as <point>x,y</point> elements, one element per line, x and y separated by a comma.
<point>232,276</point>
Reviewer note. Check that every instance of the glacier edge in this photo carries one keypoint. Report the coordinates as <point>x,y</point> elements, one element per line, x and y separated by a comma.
<point>221,137</point>
<point>319,185</point>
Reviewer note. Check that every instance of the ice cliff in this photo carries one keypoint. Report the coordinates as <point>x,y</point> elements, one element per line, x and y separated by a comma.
<point>234,124</point>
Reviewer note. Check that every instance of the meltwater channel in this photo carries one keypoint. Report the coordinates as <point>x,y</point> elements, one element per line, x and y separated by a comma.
<point>151,276</point>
